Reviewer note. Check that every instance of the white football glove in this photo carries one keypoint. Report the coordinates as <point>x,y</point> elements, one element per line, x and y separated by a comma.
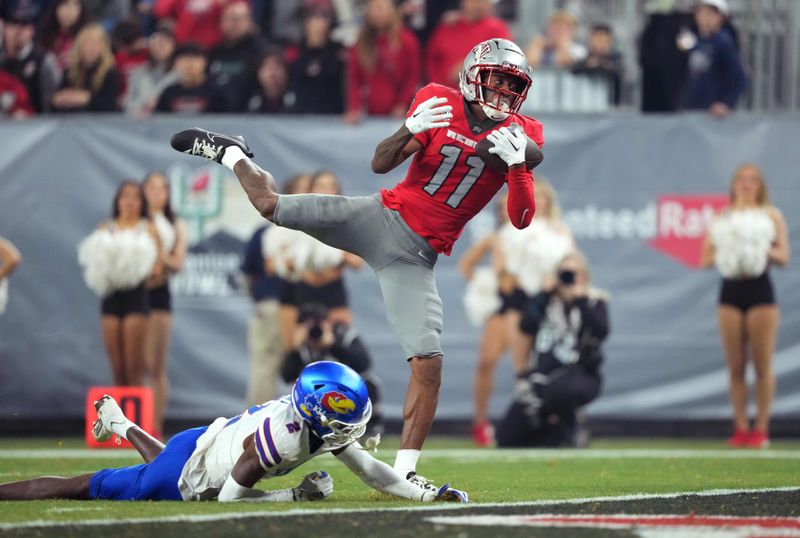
<point>314,487</point>
<point>509,145</point>
<point>430,114</point>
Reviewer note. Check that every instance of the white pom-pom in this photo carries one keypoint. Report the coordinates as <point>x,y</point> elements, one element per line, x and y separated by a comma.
<point>481,298</point>
<point>742,240</point>
<point>533,253</point>
<point>166,231</point>
<point>114,261</point>
<point>3,294</point>
<point>278,244</point>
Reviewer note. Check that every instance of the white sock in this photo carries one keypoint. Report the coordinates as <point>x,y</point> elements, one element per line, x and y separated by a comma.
<point>232,155</point>
<point>406,461</point>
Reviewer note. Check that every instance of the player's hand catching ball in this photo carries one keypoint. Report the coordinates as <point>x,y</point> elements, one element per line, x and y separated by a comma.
<point>509,145</point>
<point>430,114</point>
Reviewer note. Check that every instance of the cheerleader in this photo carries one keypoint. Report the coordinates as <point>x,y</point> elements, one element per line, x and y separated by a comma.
<point>742,242</point>
<point>496,295</point>
<point>172,235</point>
<point>313,271</point>
<point>487,301</point>
<point>117,259</point>
<point>322,280</point>
<point>10,258</point>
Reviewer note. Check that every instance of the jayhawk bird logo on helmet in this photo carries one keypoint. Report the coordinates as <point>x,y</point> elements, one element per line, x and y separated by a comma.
<point>333,400</point>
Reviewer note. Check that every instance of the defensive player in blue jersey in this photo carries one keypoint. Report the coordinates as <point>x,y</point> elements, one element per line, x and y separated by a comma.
<point>327,411</point>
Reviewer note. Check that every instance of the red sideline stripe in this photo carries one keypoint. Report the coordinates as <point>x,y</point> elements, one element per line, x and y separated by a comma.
<point>692,520</point>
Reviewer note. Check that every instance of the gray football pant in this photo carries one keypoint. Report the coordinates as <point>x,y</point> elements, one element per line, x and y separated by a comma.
<point>401,258</point>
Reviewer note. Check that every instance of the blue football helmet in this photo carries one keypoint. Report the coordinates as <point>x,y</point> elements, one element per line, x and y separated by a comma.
<point>333,400</point>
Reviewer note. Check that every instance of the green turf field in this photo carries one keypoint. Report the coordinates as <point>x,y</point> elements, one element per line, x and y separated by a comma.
<point>607,469</point>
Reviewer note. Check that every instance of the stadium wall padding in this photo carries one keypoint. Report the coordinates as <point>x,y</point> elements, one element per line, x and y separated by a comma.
<point>637,191</point>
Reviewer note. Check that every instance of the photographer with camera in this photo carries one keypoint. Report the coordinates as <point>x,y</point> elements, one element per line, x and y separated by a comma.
<point>564,326</point>
<point>318,337</point>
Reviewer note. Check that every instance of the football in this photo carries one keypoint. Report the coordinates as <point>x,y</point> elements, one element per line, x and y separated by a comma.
<point>533,155</point>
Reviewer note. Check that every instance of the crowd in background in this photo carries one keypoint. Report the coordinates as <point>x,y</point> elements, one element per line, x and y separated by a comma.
<point>351,57</point>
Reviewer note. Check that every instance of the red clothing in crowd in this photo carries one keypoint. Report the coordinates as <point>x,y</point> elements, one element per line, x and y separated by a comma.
<point>391,83</point>
<point>62,46</point>
<point>126,61</point>
<point>14,97</point>
<point>450,44</point>
<point>195,20</point>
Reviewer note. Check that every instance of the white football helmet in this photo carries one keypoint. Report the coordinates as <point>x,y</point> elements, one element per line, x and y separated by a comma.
<point>495,56</point>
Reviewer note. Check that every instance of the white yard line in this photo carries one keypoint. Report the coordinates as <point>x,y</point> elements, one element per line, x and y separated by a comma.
<point>204,518</point>
<point>463,454</point>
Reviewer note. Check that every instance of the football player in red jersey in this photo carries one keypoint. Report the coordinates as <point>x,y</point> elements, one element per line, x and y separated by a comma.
<point>401,231</point>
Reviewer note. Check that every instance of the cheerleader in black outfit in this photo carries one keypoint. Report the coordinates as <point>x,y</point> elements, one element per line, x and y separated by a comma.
<point>743,241</point>
<point>172,234</point>
<point>117,259</point>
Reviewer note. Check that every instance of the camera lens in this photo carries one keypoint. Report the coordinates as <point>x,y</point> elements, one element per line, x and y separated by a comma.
<point>315,332</point>
<point>566,276</point>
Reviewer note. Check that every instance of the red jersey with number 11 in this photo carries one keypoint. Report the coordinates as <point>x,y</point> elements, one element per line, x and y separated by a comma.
<point>447,183</point>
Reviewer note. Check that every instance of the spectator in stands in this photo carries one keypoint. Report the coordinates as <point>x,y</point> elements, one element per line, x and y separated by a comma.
<point>662,63</point>
<point>454,38</point>
<point>743,241</point>
<point>130,50</point>
<point>316,65</point>
<point>60,25</point>
<point>110,13</point>
<point>10,258</point>
<point>172,252</point>
<point>36,68</point>
<point>384,65</point>
<point>233,62</point>
<point>193,21</point>
<point>193,93</point>
<point>270,94</point>
<point>603,61</point>
<point>14,100</point>
<point>716,78</point>
<point>422,16</point>
<point>565,326</point>
<point>90,83</point>
<point>557,48</point>
<point>263,336</point>
<point>150,79</point>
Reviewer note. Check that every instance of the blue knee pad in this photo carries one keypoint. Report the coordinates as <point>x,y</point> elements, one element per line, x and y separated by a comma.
<point>155,481</point>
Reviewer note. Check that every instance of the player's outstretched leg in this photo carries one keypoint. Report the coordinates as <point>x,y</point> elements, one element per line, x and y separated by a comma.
<point>112,421</point>
<point>233,153</point>
<point>47,487</point>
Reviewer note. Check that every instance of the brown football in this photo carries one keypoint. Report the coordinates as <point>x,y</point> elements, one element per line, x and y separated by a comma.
<point>533,155</point>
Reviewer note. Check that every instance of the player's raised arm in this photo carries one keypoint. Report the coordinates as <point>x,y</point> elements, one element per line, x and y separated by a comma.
<point>382,477</point>
<point>430,114</point>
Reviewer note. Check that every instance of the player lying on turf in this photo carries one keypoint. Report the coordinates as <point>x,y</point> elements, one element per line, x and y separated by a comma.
<point>327,411</point>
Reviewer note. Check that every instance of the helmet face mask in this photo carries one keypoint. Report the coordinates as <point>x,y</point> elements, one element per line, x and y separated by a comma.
<point>484,62</point>
<point>498,103</point>
<point>332,399</point>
